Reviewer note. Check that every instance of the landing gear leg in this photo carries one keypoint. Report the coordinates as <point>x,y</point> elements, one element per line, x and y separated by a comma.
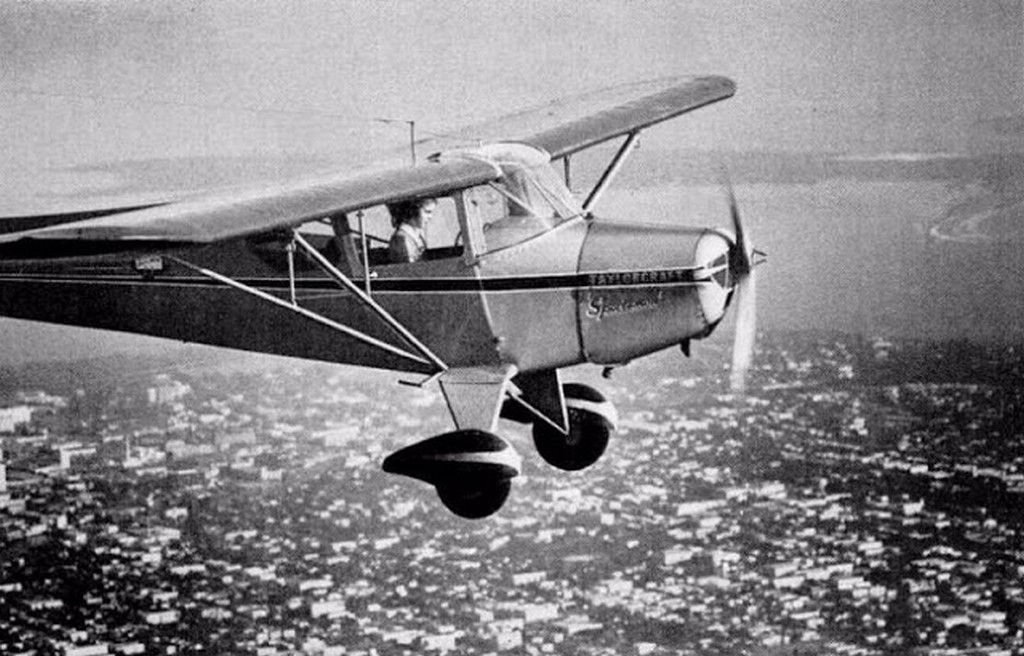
<point>572,422</point>
<point>471,468</point>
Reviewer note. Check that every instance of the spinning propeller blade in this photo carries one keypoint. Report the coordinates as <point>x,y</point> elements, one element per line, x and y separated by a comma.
<point>741,266</point>
<point>740,256</point>
<point>746,328</point>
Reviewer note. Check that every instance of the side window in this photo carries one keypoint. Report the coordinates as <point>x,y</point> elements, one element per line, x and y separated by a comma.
<point>490,205</point>
<point>442,233</point>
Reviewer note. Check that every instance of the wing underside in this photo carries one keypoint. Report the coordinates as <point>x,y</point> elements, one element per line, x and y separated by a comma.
<point>560,129</point>
<point>235,215</point>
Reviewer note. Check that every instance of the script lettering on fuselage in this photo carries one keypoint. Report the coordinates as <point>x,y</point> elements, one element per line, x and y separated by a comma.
<point>600,306</point>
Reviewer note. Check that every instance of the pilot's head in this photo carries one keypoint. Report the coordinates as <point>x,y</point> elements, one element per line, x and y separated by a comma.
<point>416,212</point>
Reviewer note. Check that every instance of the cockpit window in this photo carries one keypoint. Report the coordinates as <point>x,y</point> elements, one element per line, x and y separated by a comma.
<point>528,199</point>
<point>525,202</point>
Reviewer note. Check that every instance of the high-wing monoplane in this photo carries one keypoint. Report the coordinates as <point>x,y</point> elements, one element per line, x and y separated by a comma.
<point>527,281</point>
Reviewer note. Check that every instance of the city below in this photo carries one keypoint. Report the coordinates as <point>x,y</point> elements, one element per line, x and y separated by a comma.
<point>863,497</point>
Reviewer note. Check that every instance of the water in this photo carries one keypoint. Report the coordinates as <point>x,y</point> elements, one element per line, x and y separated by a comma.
<point>858,256</point>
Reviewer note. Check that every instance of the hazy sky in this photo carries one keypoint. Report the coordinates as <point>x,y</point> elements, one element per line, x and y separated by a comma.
<point>84,83</point>
<point>835,75</point>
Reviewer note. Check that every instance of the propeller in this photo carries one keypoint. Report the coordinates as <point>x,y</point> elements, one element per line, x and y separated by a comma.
<point>741,268</point>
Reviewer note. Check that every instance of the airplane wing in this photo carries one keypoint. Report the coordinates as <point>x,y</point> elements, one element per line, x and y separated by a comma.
<point>232,215</point>
<point>568,125</point>
<point>678,97</point>
<point>561,128</point>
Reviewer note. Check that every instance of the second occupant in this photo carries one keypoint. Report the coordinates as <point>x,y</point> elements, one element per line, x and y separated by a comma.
<point>410,218</point>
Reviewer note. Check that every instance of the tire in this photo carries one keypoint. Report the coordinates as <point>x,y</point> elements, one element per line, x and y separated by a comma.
<point>475,501</point>
<point>591,423</point>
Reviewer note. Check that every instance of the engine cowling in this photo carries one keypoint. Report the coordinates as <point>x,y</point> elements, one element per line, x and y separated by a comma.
<point>651,287</point>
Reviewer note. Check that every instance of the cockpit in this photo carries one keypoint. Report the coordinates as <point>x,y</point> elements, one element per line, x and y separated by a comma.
<point>528,199</point>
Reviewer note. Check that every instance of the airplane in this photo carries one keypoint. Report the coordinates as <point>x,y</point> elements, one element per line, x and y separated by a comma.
<point>527,282</point>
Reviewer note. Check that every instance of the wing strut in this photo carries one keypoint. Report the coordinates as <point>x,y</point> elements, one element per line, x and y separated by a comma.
<point>301,311</point>
<point>420,352</point>
<point>375,307</point>
<point>611,171</point>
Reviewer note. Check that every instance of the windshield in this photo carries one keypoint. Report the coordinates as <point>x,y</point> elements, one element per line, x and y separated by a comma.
<point>529,199</point>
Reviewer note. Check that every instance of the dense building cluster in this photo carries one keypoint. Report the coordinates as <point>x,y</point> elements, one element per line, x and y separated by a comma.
<point>861,499</point>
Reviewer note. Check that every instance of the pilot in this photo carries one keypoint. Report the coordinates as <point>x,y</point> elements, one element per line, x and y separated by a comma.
<point>409,219</point>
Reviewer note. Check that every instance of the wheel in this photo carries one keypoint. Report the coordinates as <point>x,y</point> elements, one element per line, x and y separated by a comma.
<point>591,422</point>
<point>583,446</point>
<point>475,501</point>
<point>471,469</point>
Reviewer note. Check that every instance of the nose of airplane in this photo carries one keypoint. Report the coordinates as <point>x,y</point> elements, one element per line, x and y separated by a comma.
<point>649,287</point>
<point>712,257</point>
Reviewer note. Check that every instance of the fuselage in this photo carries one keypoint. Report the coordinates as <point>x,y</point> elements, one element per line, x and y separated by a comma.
<point>584,291</point>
